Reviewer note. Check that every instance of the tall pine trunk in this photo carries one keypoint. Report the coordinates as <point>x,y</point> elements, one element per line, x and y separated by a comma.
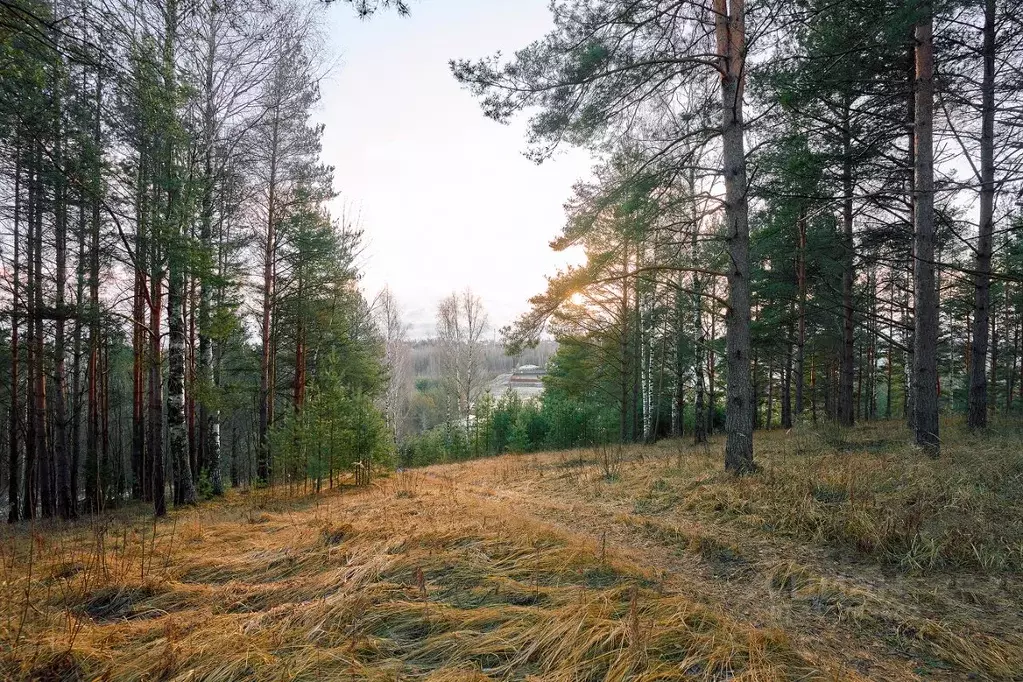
<point>154,447</point>
<point>786,388</point>
<point>30,499</point>
<point>93,474</point>
<point>925,364</point>
<point>43,469</point>
<point>140,457</point>
<point>977,416</point>
<point>699,407</point>
<point>678,404</point>
<point>730,32</point>
<point>847,369</point>
<point>64,497</point>
<point>801,313</point>
<point>266,373</point>
<point>76,352</point>
<point>909,411</point>
<point>14,487</point>
<point>623,352</point>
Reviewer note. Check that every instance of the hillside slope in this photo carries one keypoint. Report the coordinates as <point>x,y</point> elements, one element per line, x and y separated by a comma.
<point>847,557</point>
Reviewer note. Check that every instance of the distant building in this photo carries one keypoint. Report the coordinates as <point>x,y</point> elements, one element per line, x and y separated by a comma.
<point>528,375</point>
<point>526,381</point>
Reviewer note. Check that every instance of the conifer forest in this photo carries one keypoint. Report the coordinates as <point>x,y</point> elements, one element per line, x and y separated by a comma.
<point>757,417</point>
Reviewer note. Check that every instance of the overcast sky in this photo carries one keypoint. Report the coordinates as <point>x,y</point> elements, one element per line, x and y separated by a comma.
<point>446,197</point>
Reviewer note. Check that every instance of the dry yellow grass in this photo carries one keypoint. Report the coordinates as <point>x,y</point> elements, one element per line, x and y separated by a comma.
<point>868,555</point>
<point>370,585</point>
<point>544,568</point>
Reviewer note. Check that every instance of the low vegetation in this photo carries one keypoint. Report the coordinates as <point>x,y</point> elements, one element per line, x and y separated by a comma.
<point>410,579</point>
<point>871,494</point>
<point>848,556</point>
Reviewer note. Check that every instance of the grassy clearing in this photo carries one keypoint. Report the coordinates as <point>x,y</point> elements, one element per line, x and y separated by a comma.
<point>851,542</point>
<point>847,557</point>
<point>866,490</point>
<point>411,580</point>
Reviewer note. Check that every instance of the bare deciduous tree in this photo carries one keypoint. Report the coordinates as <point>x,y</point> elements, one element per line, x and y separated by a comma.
<point>398,361</point>
<point>461,324</point>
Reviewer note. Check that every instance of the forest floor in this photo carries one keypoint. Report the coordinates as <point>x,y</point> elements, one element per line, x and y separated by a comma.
<point>848,556</point>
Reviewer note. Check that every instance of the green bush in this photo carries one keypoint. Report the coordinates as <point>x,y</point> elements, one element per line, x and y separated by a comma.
<point>510,424</point>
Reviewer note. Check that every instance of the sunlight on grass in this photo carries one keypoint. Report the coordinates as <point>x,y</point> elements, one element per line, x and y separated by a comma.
<point>448,573</point>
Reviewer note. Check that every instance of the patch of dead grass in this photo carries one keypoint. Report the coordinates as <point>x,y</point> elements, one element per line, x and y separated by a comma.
<point>373,586</point>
